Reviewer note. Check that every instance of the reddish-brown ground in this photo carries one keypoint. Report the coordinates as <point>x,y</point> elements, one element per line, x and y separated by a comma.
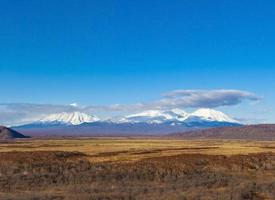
<point>73,175</point>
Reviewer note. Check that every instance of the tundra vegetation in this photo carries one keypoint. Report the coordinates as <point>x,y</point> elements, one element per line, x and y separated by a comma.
<point>136,168</point>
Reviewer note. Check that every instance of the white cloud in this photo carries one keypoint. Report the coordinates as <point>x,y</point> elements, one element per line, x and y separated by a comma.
<point>207,98</point>
<point>74,104</point>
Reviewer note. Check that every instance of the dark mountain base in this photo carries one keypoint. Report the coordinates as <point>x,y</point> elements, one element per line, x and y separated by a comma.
<point>251,132</point>
<point>8,134</point>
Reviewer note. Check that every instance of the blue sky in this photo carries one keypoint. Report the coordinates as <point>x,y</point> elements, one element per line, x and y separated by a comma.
<point>126,52</point>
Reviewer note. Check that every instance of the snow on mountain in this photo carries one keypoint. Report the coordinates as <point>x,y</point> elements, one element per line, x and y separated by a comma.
<point>155,116</point>
<point>178,116</point>
<point>160,120</point>
<point>150,122</point>
<point>73,118</point>
<point>210,115</point>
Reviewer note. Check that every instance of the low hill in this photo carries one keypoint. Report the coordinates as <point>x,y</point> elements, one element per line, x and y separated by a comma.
<point>7,133</point>
<point>249,132</point>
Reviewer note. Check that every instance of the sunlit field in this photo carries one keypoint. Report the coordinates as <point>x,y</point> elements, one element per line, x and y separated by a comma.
<point>127,149</point>
<point>136,168</point>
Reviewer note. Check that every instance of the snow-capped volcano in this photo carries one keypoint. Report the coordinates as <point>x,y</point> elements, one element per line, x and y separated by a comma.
<point>155,116</point>
<point>206,114</point>
<point>72,118</point>
<point>178,116</point>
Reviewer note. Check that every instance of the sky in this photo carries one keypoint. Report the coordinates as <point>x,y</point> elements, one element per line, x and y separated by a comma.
<point>112,57</point>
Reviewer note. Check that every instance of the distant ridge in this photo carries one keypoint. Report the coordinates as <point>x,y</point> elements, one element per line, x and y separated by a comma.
<point>7,134</point>
<point>249,132</point>
<point>148,122</point>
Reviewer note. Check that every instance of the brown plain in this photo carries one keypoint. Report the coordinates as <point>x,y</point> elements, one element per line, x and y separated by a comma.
<point>137,168</point>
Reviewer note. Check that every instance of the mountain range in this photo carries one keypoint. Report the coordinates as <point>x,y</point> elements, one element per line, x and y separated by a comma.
<point>149,122</point>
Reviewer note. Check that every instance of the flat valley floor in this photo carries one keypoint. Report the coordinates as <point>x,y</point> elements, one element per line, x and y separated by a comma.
<point>136,168</point>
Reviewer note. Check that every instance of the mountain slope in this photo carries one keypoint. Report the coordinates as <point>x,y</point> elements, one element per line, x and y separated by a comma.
<point>206,114</point>
<point>74,118</point>
<point>7,133</point>
<point>155,116</point>
<point>249,132</point>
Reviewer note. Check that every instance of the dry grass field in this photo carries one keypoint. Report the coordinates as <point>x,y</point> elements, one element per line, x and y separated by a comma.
<point>136,168</point>
<point>128,149</point>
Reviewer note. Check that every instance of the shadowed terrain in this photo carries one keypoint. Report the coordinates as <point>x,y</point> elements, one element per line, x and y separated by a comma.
<point>251,132</point>
<point>8,134</point>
